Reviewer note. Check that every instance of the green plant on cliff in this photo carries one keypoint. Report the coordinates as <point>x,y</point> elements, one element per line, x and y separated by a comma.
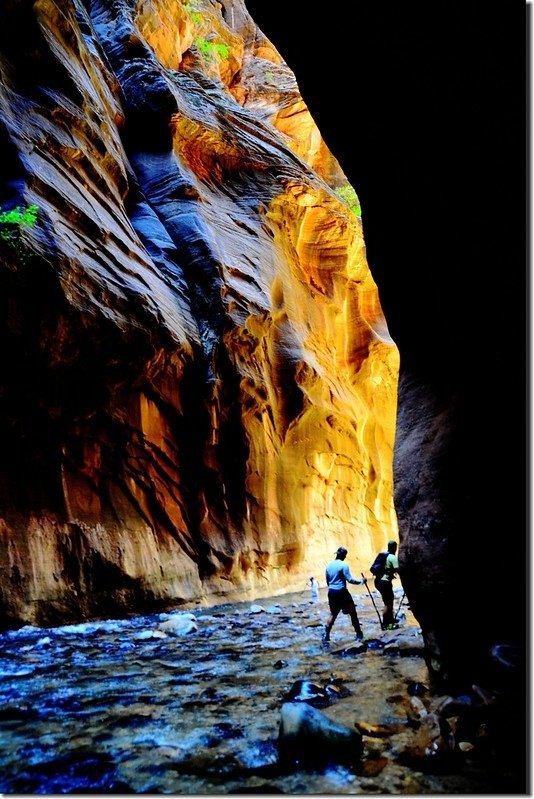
<point>18,217</point>
<point>191,9</point>
<point>209,50</point>
<point>347,194</point>
<point>11,224</point>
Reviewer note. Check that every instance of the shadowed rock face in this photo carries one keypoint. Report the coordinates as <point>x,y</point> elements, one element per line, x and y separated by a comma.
<point>439,128</point>
<point>198,388</point>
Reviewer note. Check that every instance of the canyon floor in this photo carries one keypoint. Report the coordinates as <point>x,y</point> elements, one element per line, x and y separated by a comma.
<point>168,703</point>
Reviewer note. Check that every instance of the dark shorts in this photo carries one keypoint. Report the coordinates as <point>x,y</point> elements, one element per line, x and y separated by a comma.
<point>385,587</point>
<point>340,601</point>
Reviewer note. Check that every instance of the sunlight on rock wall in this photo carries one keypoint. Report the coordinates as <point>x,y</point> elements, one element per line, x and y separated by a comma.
<point>218,401</point>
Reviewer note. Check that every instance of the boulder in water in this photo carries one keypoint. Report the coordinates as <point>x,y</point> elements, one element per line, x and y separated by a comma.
<point>181,624</point>
<point>310,738</point>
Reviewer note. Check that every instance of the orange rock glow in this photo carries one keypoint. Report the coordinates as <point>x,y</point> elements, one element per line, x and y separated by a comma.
<point>226,400</point>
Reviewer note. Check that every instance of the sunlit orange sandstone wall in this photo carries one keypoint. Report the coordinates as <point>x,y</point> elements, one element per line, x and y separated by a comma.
<point>209,272</point>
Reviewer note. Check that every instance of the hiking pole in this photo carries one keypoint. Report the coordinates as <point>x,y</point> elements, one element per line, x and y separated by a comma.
<point>373,601</point>
<point>400,603</point>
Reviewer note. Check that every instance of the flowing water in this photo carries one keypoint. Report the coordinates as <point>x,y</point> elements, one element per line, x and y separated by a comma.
<point>119,706</point>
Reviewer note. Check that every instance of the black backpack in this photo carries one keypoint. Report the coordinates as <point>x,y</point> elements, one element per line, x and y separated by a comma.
<point>378,566</point>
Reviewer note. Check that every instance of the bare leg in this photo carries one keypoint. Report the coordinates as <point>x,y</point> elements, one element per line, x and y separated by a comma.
<point>388,615</point>
<point>355,622</point>
<point>329,624</point>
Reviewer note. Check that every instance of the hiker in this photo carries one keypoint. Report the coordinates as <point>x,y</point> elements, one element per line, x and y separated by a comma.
<point>337,575</point>
<point>314,589</point>
<point>384,585</point>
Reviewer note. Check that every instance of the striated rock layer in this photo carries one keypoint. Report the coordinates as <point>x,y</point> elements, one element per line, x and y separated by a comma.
<point>198,386</point>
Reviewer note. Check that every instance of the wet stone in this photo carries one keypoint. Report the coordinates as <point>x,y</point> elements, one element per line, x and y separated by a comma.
<point>374,643</point>
<point>309,737</point>
<point>373,766</point>
<point>306,691</point>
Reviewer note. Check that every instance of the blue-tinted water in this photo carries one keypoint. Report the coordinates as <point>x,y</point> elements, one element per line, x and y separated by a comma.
<point>123,706</point>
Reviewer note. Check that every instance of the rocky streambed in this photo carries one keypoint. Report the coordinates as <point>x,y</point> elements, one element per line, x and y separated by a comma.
<point>191,702</point>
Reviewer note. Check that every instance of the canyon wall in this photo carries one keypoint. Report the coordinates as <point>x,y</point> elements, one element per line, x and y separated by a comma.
<point>198,389</point>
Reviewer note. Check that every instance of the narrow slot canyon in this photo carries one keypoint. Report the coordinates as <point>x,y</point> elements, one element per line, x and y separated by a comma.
<point>262,284</point>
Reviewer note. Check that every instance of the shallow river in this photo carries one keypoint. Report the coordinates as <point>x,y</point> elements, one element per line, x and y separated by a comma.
<point>120,706</point>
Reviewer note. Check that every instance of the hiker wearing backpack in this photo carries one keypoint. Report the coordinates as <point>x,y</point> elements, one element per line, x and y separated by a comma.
<point>385,570</point>
<point>337,575</point>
